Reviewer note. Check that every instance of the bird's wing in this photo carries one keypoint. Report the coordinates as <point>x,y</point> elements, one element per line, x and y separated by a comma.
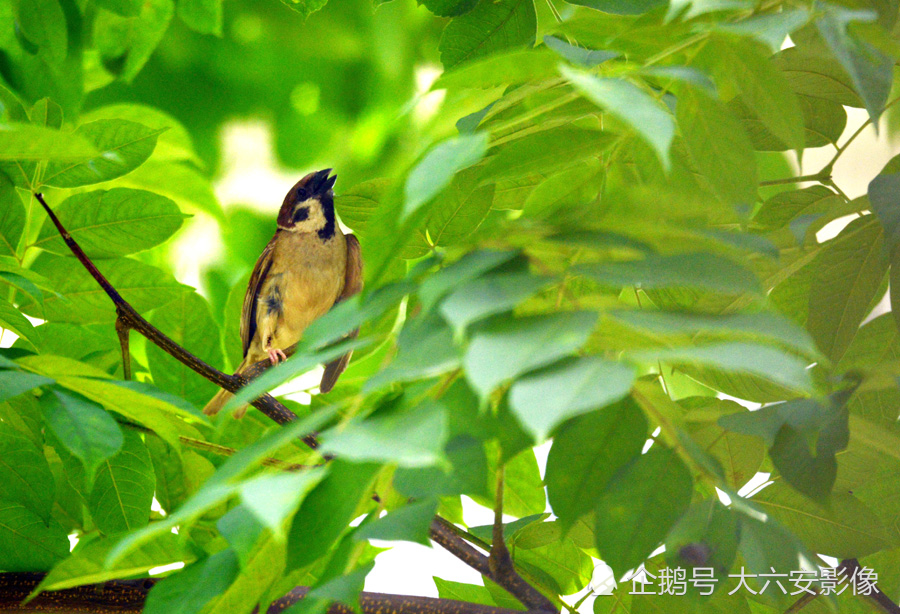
<point>353,283</point>
<point>251,299</point>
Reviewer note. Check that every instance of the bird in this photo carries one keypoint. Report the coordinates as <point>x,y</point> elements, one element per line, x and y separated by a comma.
<point>309,266</point>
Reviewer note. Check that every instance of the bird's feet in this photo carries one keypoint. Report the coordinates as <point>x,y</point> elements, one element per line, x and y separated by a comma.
<point>276,356</point>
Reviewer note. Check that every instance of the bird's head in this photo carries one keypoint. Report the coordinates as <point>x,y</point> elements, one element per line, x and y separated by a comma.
<point>309,205</point>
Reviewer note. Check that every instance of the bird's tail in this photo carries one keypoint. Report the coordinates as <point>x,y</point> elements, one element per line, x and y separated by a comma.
<point>216,403</point>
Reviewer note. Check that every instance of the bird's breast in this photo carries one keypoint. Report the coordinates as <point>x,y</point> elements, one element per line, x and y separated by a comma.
<point>310,275</point>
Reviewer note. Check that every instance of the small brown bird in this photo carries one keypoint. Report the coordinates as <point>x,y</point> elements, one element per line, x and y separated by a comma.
<point>307,267</point>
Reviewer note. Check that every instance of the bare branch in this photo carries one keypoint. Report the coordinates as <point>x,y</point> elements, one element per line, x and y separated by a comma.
<point>128,596</point>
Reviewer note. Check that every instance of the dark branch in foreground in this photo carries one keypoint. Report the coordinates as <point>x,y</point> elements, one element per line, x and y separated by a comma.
<point>126,596</point>
<point>441,531</point>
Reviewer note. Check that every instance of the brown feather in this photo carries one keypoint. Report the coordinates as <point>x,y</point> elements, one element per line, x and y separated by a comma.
<point>353,283</point>
<point>251,298</point>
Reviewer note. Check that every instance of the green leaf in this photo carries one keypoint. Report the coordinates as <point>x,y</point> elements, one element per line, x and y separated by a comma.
<point>472,593</point>
<point>437,167</point>
<point>85,565</point>
<point>790,429</point>
<point>791,205</point>
<point>488,28</point>
<point>469,267</point>
<point>762,86</point>
<point>499,69</point>
<point>123,489</point>
<point>274,498</point>
<point>27,543</point>
<point>551,396</point>
<point>27,142</point>
<point>425,349</point>
<point>108,223</point>
<point>545,152</point>
<point>221,486</point>
<point>326,512</point>
<point>771,29</point>
<point>739,455</point>
<point>846,528</point>
<point>189,323</point>
<point>356,205</point>
<point>566,565</point>
<point>703,271</point>
<point>763,361</point>
<point>657,489</point>
<point>178,476</point>
<point>817,75</point>
<point>12,217</point>
<point>80,299</point>
<point>523,489</point>
<point>305,7</point>
<point>707,536</point>
<point>883,191</point>
<point>870,70</point>
<point>190,190</point>
<point>125,8</point>
<point>25,473</point>
<point>126,43</point>
<point>14,383</point>
<point>579,55</point>
<point>375,439</point>
<point>587,452</point>
<point>203,16</point>
<point>621,7</point>
<point>629,104</point>
<point>762,325</point>
<point>848,273</point>
<point>510,347</point>
<point>190,589</point>
<point>86,431</point>
<point>823,124</point>
<point>123,145</point>
<point>174,143</point>
<point>408,523</point>
<point>12,319</point>
<point>449,8</point>
<point>43,23</point>
<point>718,146</point>
<point>459,210</point>
<point>488,295</point>
<point>264,565</point>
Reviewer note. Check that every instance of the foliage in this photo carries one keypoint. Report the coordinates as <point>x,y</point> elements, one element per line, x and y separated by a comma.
<point>593,240</point>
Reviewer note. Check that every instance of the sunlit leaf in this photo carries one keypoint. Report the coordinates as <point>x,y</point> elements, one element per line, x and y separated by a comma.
<point>631,105</point>
<point>112,223</point>
<point>488,28</point>
<point>122,145</point>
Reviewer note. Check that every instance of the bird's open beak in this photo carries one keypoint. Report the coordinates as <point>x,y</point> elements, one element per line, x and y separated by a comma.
<point>321,182</point>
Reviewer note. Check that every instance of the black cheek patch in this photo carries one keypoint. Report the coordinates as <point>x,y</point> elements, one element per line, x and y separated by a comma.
<point>301,214</point>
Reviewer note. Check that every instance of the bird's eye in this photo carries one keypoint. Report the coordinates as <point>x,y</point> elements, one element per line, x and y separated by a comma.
<point>301,214</point>
<point>301,194</point>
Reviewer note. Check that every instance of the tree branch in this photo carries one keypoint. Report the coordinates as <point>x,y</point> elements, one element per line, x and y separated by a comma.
<point>443,534</point>
<point>877,598</point>
<point>441,531</point>
<point>128,596</point>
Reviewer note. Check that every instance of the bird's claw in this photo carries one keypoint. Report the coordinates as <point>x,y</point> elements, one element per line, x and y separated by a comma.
<point>276,356</point>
